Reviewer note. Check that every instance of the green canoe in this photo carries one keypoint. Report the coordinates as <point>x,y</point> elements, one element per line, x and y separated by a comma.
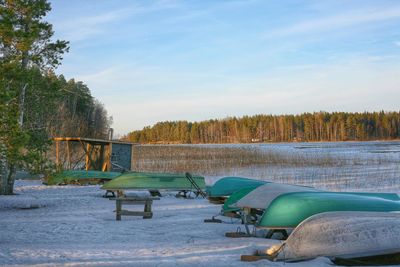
<point>80,176</point>
<point>235,197</point>
<point>226,186</point>
<point>288,210</point>
<point>151,180</point>
<point>388,196</point>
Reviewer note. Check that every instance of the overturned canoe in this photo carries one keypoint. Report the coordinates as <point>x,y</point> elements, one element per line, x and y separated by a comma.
<point>262,196</point>
<point>226,186</point>
<point>157,181</point>
<point>237,196</point>
<point>288,210</point>
<point>81,177</point>
<point>364,236</point>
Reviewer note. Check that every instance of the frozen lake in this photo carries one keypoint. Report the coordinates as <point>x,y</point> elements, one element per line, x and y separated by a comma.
<point>339,166</point>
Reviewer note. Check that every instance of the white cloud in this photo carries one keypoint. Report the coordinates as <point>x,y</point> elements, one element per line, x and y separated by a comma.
<point>85,27</point>
<point>338,21</point>
<point>397,43</point>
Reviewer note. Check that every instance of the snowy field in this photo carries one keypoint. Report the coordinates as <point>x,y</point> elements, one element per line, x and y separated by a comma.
<point>76,226</point>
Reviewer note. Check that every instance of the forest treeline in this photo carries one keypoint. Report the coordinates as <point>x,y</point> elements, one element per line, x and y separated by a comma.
<point>318,126</point>
<point>57,107</point>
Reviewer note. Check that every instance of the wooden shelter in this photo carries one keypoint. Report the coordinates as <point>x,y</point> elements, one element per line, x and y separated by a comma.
<point>104,155</point>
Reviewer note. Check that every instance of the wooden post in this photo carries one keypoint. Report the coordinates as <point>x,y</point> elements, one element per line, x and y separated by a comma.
<point>57,154</point>
<point>118,209</point>
<point>68,156</point>
<point>106,158</point>
<point>147,208</point>
<point>101,159</point>
<point>109,165</point>
<point>87,156</point>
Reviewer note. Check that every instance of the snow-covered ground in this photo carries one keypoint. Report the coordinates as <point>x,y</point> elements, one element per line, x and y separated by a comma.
<point>76,226</point>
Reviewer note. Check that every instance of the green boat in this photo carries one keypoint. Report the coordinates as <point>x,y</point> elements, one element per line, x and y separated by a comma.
<point>226,186</point>
<point>81,177</point>
<point>288,210</point>
<point>263,196</point>
<point>235,197</point>
<point>153,181</point>
<point>388,196</point>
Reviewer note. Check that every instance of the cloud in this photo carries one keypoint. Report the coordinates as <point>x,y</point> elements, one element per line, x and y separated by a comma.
<point>85,27</point>
<point>397,43</point>
<point>338,21</point>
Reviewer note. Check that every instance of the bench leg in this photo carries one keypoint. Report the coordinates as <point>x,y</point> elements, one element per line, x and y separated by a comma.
<point>118,210</point>
<point>147,208</point>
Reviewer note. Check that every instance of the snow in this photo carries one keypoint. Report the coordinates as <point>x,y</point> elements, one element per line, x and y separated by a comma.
<point>76,226</point>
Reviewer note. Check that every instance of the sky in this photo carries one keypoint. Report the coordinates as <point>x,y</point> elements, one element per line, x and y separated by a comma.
<point>150,61</point>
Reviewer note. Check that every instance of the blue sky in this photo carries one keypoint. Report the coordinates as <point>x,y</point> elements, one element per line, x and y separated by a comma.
<point>151,61</point>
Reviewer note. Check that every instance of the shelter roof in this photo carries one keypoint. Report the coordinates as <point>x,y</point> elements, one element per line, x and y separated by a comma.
<point>92,141</point>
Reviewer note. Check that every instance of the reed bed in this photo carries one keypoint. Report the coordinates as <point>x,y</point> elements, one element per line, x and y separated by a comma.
<point>325,170</point>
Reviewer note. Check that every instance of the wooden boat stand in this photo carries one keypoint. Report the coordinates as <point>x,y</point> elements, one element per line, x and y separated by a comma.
<point>146,213</point>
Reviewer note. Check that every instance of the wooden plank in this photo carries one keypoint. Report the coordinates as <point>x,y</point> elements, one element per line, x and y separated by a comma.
<point>136,202</point>
<point>92,140</point>
<point>134,198</point>
<point>136,213</point>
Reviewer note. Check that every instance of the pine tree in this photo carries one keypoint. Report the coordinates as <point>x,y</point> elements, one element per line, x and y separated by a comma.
<point>25,45</point>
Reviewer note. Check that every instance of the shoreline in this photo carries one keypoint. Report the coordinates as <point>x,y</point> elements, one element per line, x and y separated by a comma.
<point>283,142</point>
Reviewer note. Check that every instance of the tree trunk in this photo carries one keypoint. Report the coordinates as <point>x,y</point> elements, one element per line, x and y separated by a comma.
<point>7,173</point>
<point>21,105</point>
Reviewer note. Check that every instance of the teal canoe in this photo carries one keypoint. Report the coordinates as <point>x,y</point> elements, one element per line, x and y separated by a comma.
<point>151,180</point>
<point>261,197</point>
<point>235,197</point>
<point>226,186</point>
<point>80,177</point>
<point>290,209</point>
<point>388,196</point>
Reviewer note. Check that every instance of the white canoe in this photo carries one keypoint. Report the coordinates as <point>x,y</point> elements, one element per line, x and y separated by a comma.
<point>344,234</point>
<point>262,196</point>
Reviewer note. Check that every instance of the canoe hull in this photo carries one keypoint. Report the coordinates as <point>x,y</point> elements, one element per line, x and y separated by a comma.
<point>343,235</point>
<point>80,176</point>
<point>288,210</point>
<point>227,207</point>
<point>226,186</point>
<point>156,181</point>
<point>262,196</point>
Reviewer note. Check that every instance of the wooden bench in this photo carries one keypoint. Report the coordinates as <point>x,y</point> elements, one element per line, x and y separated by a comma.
<point>146,213</point>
